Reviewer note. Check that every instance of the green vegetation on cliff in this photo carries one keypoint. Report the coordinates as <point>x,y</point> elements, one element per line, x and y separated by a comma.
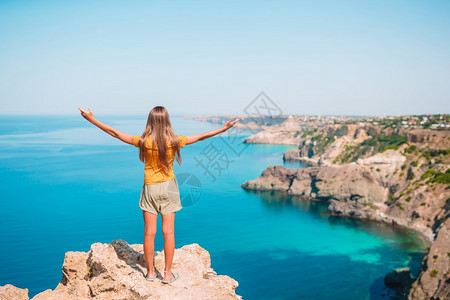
<point>432,153</point>
<point>308,132</point>
<point>375,144</point>
<point>381,143</point>
<point>441,177</point>
<point>321,142</point>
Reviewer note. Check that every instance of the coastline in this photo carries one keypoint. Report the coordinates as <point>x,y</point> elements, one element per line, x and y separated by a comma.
<point>426,284</point>
<point>372,169</point>
<point>426,237</point>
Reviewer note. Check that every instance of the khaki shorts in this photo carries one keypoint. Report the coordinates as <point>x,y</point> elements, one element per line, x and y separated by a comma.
<point>160,198</point>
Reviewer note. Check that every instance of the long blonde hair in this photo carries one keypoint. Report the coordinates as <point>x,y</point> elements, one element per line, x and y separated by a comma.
<point>159,126</point>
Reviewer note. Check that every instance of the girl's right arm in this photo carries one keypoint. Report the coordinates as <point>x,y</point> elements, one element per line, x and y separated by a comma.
<point>203,136</point>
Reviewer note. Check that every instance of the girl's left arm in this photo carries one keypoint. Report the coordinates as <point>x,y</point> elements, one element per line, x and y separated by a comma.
<point>124,137</point>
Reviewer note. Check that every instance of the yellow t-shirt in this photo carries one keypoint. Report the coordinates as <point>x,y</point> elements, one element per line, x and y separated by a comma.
<point>153,170</point>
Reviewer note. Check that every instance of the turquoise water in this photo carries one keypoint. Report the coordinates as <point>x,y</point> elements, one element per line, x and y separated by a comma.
<point>66,185</point>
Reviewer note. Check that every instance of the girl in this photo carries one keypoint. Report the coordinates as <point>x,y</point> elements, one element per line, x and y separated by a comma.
<point>158,146</point>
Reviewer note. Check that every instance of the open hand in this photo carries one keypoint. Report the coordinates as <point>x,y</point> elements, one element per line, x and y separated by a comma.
<point>87,115</point>
<point>230,123</point>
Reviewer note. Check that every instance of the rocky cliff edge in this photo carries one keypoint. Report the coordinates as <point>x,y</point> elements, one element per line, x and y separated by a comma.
<point>117,270</point>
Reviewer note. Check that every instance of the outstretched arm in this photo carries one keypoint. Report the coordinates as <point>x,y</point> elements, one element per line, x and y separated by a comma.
<point>124,137</point>
<point>203,136</point>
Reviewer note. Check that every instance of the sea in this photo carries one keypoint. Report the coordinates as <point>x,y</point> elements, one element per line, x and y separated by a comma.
<point>65,185</point>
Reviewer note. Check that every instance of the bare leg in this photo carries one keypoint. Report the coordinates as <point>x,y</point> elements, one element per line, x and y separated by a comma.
<point>168,224</point>
<point>149,241</point>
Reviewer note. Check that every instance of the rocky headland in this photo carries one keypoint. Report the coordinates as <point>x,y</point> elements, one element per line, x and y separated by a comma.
<point>117,270</point>
<point>377,172</point>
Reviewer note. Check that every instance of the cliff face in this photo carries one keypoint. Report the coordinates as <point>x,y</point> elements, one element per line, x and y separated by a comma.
<point>434,138</point>
<point>341,143</point>
<point>434,280</point>
<point>410,166</point>
<point>319,144</point>
<point>117,270</point>
<point>389,175</point>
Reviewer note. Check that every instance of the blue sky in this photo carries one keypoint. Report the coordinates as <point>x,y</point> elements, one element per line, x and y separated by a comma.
<point>205,57</point>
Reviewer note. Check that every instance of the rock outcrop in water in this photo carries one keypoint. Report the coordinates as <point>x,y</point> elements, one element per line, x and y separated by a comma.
<point>117,270</point>
<point>322,183</point>
<point>399,279</point>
